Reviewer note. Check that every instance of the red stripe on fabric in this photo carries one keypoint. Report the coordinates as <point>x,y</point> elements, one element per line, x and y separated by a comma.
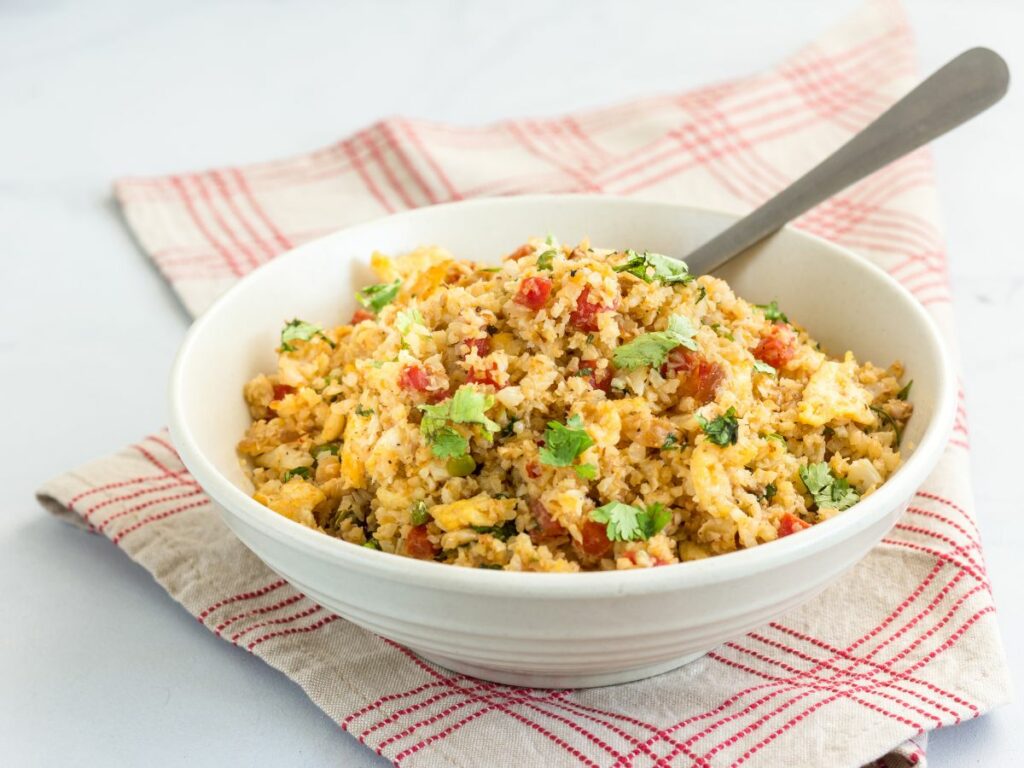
<point>935,553</point>
<point>258,612</point>
<point>136,508</point>
<point>243,184</point>
<point>951,505</point>
<point>517,131</point>
<point>397,715</point>
<point>229,259</point>
<point>378,703</point>
<point>349,148</point>
<point>386,130</point>
<point>415,140</point>
<point>237,242</point>
<point>957,548</point>
<point>381,164</point>
<point>275,622</point>
<point>240,597</point>
<point>292,631</point>
<point>156,518</point>
<point>111,486</point>
<point>253,236</point>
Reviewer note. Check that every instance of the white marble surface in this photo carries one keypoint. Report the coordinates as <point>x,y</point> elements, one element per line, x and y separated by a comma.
<point>97,665</point>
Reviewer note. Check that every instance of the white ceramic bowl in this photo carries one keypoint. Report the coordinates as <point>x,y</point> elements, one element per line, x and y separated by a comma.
<point>546,629</point>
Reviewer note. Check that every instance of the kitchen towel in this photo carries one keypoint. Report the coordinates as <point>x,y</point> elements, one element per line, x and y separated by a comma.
<point>904,643</point>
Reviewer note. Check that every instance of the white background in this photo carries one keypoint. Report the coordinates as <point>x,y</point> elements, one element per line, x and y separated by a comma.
<point>97,665</point>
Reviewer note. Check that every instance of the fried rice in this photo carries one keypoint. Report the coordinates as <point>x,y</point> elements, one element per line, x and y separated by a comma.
<point>571,409</point>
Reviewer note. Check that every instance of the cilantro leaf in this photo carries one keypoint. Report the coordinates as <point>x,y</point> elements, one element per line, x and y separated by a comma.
<point>446,443</point>
<point>328,448</point>
<point>772,311</point>
<point>586,471</point>
<point>904,393</point>
<point>653,348</point>
<point>302,331</point>
<point>544,260</point>
<point>769,492</point>
<point>466,406</point>
<point>629,523</point>
<point>762,367</point>
<point>376,297</point>
<point>362,411</point>
<point>671,442</point>
<point>407,318</point>
<point>777,437</point>
<point>563,443</point>
<point>887,419</point>
<point>701,293</point>
<point>722,430</point>
<point>827,490</point>
<point>653,266</point>
<point>302,472</point>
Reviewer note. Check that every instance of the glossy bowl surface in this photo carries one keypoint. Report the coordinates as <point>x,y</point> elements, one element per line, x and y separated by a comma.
<point>545,629</point>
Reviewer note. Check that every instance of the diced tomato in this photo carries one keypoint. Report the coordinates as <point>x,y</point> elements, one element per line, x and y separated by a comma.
<point>778,347</point>
<point>437,395</point>
<point>698,377</point>
<point>547,527</point>
<point>584,317</point>
<point>595,538</point>
<point>520,252</point>
<point>532,470</point>
<point>483,376</point>
<point>280,390</point>
<point>361,314</point>
<point>533,292</point>
<point>418,543</point>
<point>601,379</point>
<point>414,379</point>
<point>791,524</point>
<point>481,346</point>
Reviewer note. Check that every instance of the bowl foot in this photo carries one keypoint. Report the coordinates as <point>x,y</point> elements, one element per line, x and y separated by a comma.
<point>525,679</point>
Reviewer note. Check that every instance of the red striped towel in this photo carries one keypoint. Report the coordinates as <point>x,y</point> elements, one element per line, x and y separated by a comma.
<point>823,686</point>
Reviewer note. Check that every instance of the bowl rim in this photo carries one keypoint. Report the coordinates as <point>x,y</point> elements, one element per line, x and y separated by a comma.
<point>235,503</point>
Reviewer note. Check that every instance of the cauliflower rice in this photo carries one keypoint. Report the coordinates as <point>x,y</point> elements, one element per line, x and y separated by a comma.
<point>572,409</point>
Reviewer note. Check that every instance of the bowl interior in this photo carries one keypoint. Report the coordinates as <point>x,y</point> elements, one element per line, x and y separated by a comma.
<point>842,300</point>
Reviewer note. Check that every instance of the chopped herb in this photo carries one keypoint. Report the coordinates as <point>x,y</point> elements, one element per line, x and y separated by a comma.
<point>331,448</point>
<point>722,430</point>
<point>419,514</point>
<point>376,297</point>
<point>585,372</point>
<point>904,393</point>
<point>563,443</point>
<point>490,269</point>
<point>762,367</point>
<point>772,311</point>
<point>671,442</point>
<point>371,544</point>
<point>590,338</point>
<point>890,421</point>
<point>586,471</point>
<point>295,472</point>
<point>653,266</point>
<point>300,330</point>
<point>769,492</point>
<point>828,491</point>
<point>461,466</point>
<point>776,436</point>
<point>406,319</point>
<point>446,442</point>
<point>628,523</point>
<point>544,260</point>
<point>722,332</point>
<point>653,348</point>
<point>509,429</point>
<point>364,412</point>
<point>701,293</point>
<point>466,406</point>
<point>501,532</point>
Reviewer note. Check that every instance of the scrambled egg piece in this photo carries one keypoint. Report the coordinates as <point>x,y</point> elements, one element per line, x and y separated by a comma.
<point>480,510</point>
<point>295,499</point>
<point>833,393</point>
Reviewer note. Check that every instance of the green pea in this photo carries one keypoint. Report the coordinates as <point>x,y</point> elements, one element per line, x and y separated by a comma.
<point>418,515</point>
<point>461,466</point>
